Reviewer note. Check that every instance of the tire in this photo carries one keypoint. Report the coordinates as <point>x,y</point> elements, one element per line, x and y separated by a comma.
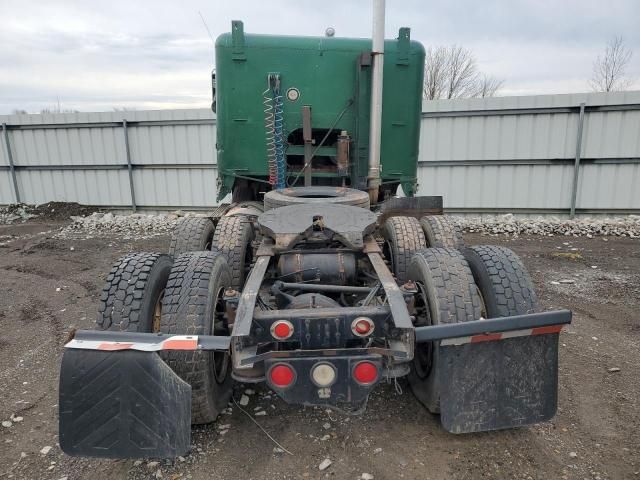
<point>189,306</point>
<point>133,291</point>
<point>233,237</point>
<point>193,234</point>
<point>441,232</point>
<point>503,280</point>
<point>317,195</point>
<point>446,294</point>
<point>403,237</point>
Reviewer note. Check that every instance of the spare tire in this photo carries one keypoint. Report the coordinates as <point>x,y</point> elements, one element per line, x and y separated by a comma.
<point>316,195</point>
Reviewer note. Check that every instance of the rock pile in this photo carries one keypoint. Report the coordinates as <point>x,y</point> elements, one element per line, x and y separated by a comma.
<point>136,225</point>
<point>16,214</point>
<point>549,226</point>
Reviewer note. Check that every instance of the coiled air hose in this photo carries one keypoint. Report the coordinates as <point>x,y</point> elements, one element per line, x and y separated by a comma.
<point>269,133</point>
<point>274,131</point>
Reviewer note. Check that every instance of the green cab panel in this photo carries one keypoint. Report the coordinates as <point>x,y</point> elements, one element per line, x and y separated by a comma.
<point>332,76</point>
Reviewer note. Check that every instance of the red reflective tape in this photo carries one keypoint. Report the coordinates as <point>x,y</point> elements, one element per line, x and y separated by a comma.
<point>115,346</point>
<point>190,344</point>
<point>549,329</point>
<point>489,337</point>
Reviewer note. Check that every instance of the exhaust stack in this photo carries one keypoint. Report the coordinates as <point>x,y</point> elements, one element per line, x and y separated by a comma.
<point>375,129</point>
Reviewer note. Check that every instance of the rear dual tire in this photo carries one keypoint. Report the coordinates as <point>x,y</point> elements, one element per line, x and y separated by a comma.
<point>193,234</point>
<point>233,238</point>
<point>441,232</point>
<point>193,305</point>
<point>403,237</point>
<point>503,281</point>
<point>131,298</point>
<point>151,292</point>
<point>482,281</point>
<point>446,294</point>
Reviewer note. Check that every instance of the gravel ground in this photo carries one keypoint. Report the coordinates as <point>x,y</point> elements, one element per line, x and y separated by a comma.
<point>628,226</point>
<point>52,273</point>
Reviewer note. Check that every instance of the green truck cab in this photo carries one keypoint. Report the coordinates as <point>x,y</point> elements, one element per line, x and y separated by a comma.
<point>332,76</point>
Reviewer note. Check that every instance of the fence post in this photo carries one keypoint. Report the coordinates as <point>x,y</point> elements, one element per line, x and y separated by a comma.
<point>12,168</point>
<point>576,165</point>
<point>129,166</point>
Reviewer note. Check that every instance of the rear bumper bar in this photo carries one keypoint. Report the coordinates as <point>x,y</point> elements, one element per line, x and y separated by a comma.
<point>453,334</point>
<point>484,330</point>
<point>145,342</point>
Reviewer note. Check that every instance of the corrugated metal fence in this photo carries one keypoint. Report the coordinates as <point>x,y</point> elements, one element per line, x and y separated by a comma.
<point>528,155</point>
<point>538,154</point>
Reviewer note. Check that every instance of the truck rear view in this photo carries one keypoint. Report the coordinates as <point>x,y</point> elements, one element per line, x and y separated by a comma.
<point>322,291</point>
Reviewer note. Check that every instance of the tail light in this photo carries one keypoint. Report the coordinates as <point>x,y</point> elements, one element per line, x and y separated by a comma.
<point>362,326</point>
<point>282,375</point>
<point>281,330</point>
<point>323,374</point>
<point>365,373</point>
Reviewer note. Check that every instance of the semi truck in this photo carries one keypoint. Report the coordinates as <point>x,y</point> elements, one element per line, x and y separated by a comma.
<point>317,278</point>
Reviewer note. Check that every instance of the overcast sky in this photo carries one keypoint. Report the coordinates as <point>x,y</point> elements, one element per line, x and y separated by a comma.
<point>155,54</point>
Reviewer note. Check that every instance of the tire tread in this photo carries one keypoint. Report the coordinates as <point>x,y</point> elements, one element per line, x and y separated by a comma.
<point>233,235</point>
<point>191,235</point>
<point>184,311</point>
<point>440,231</point>
<point>121,298</point>
<point>510,283</point>
<point>405,236</point>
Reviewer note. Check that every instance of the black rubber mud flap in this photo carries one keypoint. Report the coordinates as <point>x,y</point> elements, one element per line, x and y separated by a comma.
<point>493,385</point>
<point>125,404</point>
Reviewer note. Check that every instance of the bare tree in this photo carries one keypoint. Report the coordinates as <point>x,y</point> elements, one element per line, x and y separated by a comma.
<point>435,72</point>
<point>58,109</point>
<point>452,72</point>
<point>609,71</point>
<point>487,86</point>
<point>462,72</point>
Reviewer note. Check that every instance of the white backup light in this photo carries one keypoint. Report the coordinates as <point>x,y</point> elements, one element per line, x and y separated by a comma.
<point>323,374</point>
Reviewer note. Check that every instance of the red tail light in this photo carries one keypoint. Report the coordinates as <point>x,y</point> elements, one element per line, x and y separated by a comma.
<point>362,326</point>
<point>365,373</point>
<point>281,330</point>
<point>282,375</point>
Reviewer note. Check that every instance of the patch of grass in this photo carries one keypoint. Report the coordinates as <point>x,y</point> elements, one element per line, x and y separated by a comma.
<point>569,255</point>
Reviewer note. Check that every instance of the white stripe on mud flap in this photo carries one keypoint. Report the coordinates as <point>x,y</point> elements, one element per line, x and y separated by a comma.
<point>177,342</point>
<point>492,337</point>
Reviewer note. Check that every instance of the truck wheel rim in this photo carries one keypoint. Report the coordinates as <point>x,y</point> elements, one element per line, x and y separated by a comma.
<point>220,327</point>
<point>423,354</point>
<point>209,243</point>
<point>157,313</point>
<point>483,305</point>
<point>387,252</point>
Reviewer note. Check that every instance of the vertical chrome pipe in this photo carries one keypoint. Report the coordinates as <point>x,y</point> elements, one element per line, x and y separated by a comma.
<point>375,129</point>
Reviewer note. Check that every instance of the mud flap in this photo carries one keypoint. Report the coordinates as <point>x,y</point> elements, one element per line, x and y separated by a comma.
<point>491,385</point>
<point>125,404</point>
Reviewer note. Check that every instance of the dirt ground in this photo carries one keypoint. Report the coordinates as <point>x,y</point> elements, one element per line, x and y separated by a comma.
<point>49,286</point>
